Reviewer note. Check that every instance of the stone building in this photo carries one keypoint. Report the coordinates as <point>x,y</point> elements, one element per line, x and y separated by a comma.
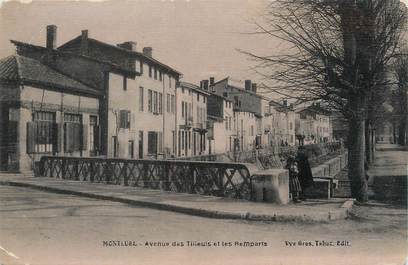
<point>143,109</point>
<point>191,120</point>
<point>313,124</point>
<point>44,112</point>
<point>222,124</point>
<point>279,124</point>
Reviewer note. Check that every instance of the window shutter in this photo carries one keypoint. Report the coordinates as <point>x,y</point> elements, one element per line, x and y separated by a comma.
<point>84,144</point>
<point>31,137</point>
<point>122,119</point>
<point>56,138</point>
<point>132,121</point>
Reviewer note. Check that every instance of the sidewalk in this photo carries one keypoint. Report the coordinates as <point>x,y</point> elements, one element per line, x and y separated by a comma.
<point>390,160</point>
<point>205,206</point>
<point>388,174</point>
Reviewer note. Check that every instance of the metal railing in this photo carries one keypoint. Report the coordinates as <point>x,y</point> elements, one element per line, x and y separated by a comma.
<point>231,180</point>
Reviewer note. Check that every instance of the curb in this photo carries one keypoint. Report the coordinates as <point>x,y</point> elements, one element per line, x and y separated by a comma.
<point>247,216</point>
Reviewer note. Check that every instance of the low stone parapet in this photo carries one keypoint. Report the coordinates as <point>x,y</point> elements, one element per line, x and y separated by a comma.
<point>271,185</point>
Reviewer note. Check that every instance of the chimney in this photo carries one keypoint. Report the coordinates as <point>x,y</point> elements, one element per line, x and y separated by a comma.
<point>148,51</point>
<point>254,87</point>
<point>205,85</point>
<point>51,36</point>
<point>128,45</point>
<point>248,85</point>
<point>211,81</point>
<point>84,42</point>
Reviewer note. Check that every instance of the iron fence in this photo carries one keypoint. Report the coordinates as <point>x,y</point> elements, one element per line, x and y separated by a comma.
<point>231,180</point>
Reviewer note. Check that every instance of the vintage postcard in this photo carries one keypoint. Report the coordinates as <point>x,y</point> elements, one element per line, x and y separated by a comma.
<point>203,132</point>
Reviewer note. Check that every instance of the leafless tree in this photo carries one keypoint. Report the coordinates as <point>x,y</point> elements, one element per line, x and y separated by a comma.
<point>400,96</point>
<point>337,51</point>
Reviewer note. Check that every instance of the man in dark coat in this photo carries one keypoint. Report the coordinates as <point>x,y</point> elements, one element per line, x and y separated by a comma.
<point>305,172</point>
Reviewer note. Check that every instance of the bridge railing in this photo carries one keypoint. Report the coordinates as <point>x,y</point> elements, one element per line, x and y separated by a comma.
<point>207,178</point>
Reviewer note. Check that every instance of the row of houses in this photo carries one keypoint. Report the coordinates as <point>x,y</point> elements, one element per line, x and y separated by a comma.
<point>90,98</point>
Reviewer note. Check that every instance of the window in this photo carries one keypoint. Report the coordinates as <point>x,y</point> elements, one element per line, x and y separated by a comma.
<point>155,73</point>
<point>141,98</point>
<point>140,144</point>
<point>198,97</point>
<point>160,142</point>
<point>182,109</point>
<point>173,104</point>
<point>160,109</point>
<point>124,119</point>
<point>152,143</point>
<point>182,90</point>
<point>150,100</point>
<point>150,71</point>
<point>170,81</point>
<point>204,99</point>
<point>160,76</point>
<point>73,132</point>
<point>168,103</point>
<point>155,102</point>
<point>252,130</point>
<point>226,123</point>
<point>115,146</point>
<point>124,83</point>
<point>131,149</point>
<point>141,67</point>
<point>42,133</point>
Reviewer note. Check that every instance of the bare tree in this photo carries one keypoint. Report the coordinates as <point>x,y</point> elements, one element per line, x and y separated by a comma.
<point>400,96</point>
<point>336,51</point>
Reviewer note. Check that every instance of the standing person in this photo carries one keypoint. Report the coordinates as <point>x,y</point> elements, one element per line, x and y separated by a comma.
<point>294,185</point>
<point>305,172</point>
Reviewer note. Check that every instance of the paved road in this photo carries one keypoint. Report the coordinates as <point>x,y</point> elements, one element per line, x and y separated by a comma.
<point>45,228</point>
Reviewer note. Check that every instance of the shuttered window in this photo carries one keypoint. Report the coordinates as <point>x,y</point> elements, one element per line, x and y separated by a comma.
<point>75,133</point>
<point>150,100</point>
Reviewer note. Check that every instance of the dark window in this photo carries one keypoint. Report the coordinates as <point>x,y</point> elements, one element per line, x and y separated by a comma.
<point>124,119</point>
<point>150,71</point>
<point>74,132</point>
<point>141,98</point>
<point>140,144</point>
<point>155,73</point>
<point>152,143</point>
<point>169,81</point>
<point>150,100</point>
<point>141,67</point>
<point>124,83</point>
<point>168,102</point>
<point>198,97</point>
<point>155,102</point>
<point>131,150</point>
<point>160,107</point>
<point>160,76</point>
<point>115,146</point>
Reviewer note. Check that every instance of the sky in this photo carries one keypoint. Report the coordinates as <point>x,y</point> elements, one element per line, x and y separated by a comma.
<point>199,38</point>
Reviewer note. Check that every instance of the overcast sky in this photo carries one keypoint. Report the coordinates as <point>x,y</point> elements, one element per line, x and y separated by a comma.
<point>198,38</point>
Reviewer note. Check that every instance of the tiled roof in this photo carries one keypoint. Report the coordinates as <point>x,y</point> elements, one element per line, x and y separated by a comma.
<point>139,54</point>
<point>30,71</point>
<point>194,87</point>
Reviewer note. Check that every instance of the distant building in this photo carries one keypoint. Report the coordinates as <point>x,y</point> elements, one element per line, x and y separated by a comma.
<point>313,125</point>
<point>222,125</point>
<point>191,120</point>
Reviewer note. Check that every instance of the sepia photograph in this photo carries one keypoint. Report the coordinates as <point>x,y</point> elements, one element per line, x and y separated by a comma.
<point>203,132</point>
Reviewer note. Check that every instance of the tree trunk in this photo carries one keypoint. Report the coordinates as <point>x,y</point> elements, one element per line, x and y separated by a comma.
<point>356,150</point>
<point>368,143</point>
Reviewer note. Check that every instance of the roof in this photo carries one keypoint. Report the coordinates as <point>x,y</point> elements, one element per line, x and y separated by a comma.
<point>219,96</point>
<point>134,53</point>
<point>112,66</point>
<point>32,72</point>
<point>250,92</point>
<point>314,108</point>
<point>194,87</point>
<point>280,107</point>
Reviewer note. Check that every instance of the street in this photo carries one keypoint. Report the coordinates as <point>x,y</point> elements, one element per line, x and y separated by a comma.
<point>44,228</point>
